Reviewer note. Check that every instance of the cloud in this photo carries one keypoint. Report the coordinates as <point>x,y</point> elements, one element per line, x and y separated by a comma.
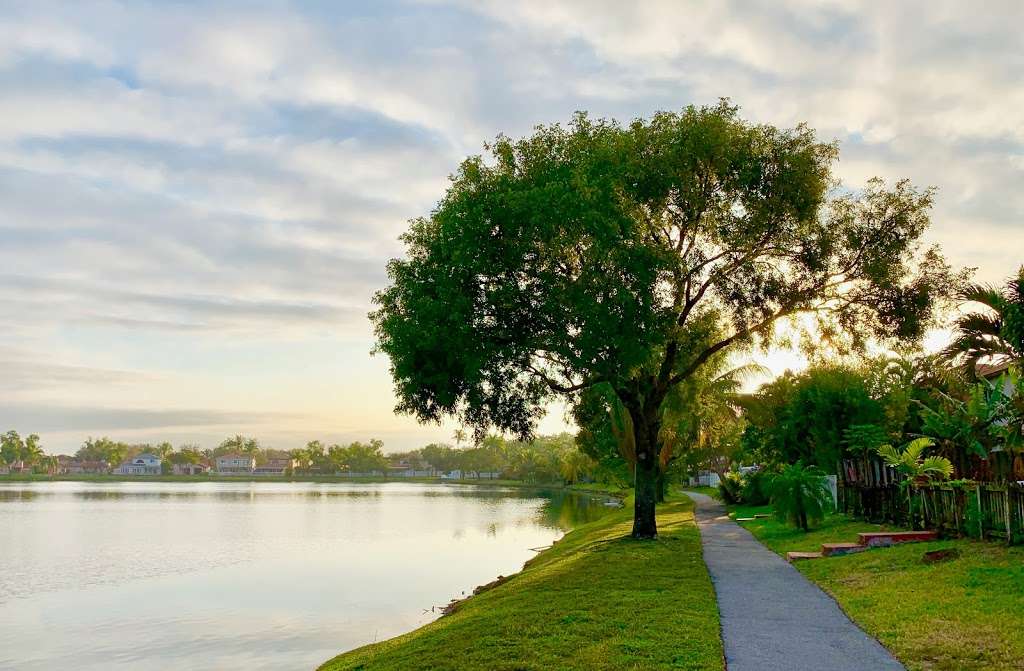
<point>83,419</point>
<point>198,177</point>
<point>20,374</point>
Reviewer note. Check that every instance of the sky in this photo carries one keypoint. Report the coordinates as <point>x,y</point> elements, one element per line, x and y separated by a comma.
<point>198,199</point>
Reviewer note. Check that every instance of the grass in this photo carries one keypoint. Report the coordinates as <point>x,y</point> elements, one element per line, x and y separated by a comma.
<point>966,613</point>
<point>595,600</point>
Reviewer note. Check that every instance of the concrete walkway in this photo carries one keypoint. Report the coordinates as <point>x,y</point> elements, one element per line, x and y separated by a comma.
<point>773,618</point>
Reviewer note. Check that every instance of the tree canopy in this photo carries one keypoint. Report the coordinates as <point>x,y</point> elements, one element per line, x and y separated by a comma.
<point>588,253</point>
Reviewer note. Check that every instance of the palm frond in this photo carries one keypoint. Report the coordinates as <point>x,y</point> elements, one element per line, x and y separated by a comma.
<point>985,294</point>
<point>936,467</point>
<point>1015,288</point>
<point>890,455</point>
<point>916,447</point>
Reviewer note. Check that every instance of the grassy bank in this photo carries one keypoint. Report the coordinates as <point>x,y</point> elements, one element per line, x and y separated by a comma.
<point>596,600</point>
<point>965,613</point>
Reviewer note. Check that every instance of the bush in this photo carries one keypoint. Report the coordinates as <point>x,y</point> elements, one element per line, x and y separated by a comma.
<point>755,491</point>
<point>731,487</point>
<point>800,495</point>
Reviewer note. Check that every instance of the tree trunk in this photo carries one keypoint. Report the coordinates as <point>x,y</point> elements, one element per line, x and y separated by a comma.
<point>644,413</point>
<point>645,497</point>
<point>661,486</point>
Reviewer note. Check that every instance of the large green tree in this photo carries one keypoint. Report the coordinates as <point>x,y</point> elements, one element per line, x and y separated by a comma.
<point>807,417</point>
<point>584,254</point>
<point>15,448</point>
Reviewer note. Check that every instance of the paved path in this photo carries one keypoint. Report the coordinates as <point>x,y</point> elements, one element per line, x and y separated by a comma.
<point>773,618</point>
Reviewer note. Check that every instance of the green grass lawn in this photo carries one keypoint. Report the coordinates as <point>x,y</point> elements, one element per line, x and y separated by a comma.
<point>966,613</point>
<point>596,600</point>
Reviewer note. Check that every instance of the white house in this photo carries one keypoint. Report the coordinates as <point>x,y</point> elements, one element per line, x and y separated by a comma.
<point>143,464</point>
<point>236,464</point>
<point>705,479</point>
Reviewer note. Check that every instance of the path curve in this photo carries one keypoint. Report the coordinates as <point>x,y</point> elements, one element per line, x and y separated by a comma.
<point>773,618</point>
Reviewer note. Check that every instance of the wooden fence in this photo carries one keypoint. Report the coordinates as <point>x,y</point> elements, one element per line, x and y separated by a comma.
<point>874,491</point>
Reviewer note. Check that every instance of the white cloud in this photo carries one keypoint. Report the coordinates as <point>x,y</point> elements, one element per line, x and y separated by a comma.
<point>180,183</point>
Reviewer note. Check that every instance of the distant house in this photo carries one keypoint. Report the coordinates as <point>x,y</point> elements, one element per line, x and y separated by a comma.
<point>19,468</point>
<point>992,372</point>
<point>143,464</point>
<point>80,466</point>
<point>484,475</point>
<point>277,466</point>
<point>405,469</point>
<point>236,464</point>
<point>452,475</point>
<point>64,464</point>
<point>705,479</point>
<point>189,469</point>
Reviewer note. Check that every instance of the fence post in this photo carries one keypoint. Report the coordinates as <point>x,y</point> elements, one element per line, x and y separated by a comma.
<point>1009,514</point>
<point>981,514</point>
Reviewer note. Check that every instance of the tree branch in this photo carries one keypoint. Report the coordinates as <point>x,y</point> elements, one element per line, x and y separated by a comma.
<point>561,388</point>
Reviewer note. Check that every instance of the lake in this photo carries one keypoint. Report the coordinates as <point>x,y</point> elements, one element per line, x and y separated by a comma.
<point>224,575</point>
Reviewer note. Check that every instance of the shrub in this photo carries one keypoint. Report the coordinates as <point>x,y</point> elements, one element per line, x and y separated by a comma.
<point>730,487</point>
<point>801,495</point>
<point>755,490</point>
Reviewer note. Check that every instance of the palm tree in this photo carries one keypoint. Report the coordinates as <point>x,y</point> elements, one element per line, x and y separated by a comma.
<point>31,451</point>
<point>800,495</point>
<point>573,465</point>
<point>995,334</point>
<point>918,469</point>
<point>912,462</point>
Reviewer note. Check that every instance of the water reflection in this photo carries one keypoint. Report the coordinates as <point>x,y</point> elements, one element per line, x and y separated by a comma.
<point>248,575</point>
<point>567,510</point>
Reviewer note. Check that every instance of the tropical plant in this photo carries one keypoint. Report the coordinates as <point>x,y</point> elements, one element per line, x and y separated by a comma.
<point>238,445</point>
<point>973,419</point>
<point>800,495</point>
<point>919,471</point>
<point>996,334</point>
<point>864,438</point>
<point>911,462</point>
<point>574,466</point>
<point>756,489</point>
<point>807,416</point>
<point>730,487</point>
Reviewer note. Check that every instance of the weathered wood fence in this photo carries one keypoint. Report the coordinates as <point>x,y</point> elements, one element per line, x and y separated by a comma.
<point>871,490</point>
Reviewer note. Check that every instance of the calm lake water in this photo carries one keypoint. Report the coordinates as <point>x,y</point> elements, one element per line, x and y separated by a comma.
<point>149,575</point>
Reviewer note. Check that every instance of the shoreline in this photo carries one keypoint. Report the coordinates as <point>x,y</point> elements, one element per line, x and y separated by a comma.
<point>592,488</point>
<point>556,612</point>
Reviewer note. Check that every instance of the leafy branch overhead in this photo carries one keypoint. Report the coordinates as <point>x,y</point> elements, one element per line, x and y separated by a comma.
<point>631,257</point>
<point>582,254</point>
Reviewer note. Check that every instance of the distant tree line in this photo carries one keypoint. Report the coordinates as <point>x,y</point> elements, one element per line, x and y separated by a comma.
<point>545,459</point>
